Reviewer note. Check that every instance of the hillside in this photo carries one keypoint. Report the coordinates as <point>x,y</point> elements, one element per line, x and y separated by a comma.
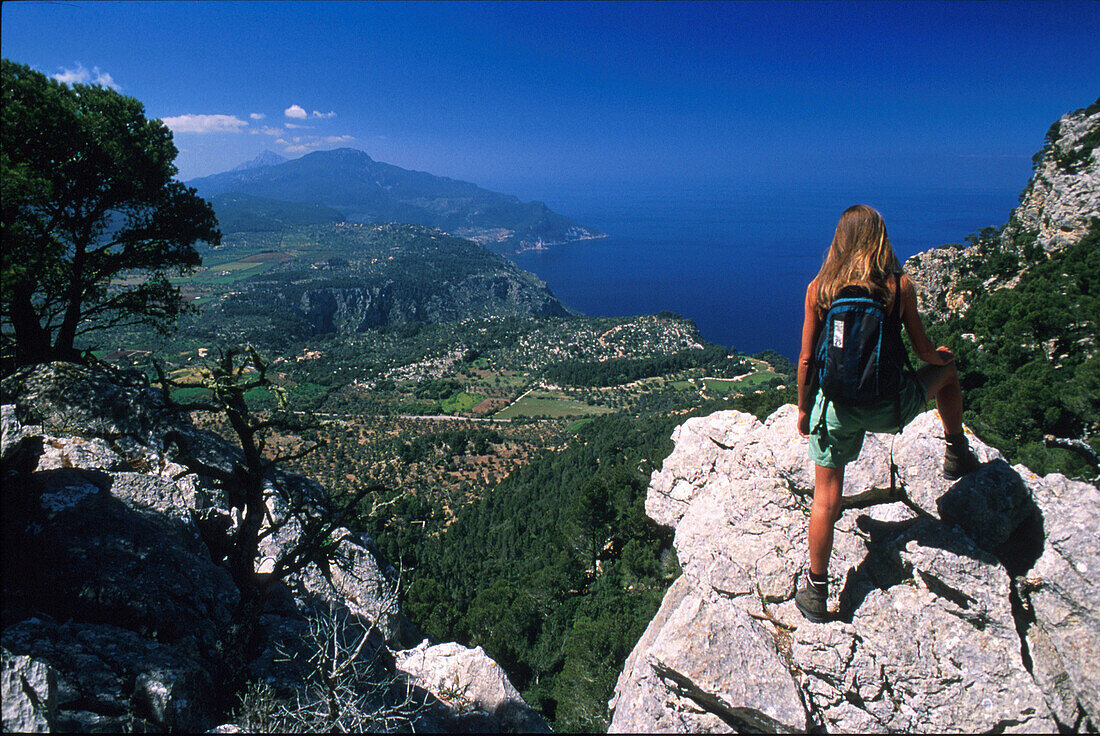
<point>244,213</point>
<point>1020,308</point>
<point>366,191</point>
<point>347,278</point>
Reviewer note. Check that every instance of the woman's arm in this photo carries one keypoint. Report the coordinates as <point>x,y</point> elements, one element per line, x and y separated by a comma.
<point>810,325</point>
<point>915,328</point>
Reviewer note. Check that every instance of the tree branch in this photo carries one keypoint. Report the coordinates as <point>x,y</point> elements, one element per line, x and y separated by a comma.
<point>1082,448</point>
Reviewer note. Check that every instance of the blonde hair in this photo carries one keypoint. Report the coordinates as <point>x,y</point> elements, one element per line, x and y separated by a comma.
<point>860,255</point>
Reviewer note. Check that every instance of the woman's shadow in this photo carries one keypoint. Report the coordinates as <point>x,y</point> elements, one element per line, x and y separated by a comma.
<point>988,515</point>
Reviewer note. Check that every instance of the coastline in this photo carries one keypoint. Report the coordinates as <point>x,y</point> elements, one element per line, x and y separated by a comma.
<point>545,245</point>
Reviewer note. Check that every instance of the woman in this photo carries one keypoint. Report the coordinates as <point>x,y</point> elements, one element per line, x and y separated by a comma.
<point>861,256</point>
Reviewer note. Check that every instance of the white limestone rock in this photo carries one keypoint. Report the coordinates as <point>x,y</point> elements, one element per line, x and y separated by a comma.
<point>1063,592</point>
<point>924,637</point>
<point>29,690</point>
<point>467,680</point>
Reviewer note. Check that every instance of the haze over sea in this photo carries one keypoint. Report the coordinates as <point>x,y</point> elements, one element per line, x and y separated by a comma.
<point>734,259</point>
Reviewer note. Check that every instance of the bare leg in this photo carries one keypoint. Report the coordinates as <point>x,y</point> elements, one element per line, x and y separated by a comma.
<point>942,381</point>
<point>828,485</point>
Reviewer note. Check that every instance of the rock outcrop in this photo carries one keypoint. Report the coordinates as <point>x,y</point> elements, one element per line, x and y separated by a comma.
<point>957,607</point>
<point>346,310</point>
<point>471,682</point>
<point>115,606</point>
<point>1059,207</point>
<point>381,276</point>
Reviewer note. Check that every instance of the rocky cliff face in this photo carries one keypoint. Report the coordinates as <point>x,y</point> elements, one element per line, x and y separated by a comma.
<point>1057,209</point>
<point>381,275</point>
<point>114,609</point>
<point>971,606</point>
<point>514,292</point>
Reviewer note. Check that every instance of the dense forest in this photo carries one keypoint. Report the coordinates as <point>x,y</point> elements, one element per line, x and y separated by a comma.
<point>1028,356</point>
<point>557,570</point>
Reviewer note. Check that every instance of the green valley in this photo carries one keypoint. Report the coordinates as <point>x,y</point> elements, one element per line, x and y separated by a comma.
<point>525,436</point>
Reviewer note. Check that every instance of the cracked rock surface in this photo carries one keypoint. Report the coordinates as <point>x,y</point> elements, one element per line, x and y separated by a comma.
<point>956,607</point>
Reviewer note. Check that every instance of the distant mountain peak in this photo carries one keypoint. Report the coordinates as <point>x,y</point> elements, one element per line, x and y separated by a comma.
<point>344,152</point>
<point>267,158</point>
<point>364,190</point>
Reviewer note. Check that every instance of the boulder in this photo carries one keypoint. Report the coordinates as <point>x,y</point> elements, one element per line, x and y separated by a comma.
<point>77,552</point>
<point>69,399</point>
<point>1061,592</point>
<point>473,686</point>
<point>29,688</point>
<point>112,679</point>
<point>926,627</point>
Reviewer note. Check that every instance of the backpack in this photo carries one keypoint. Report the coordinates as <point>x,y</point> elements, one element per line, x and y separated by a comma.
<point>859,353</point>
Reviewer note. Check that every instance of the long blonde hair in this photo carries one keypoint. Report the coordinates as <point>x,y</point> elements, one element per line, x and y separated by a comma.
<point>860,255</point>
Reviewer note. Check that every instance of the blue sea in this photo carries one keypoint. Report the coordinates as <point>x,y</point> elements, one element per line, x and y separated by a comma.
<point>736,260</point>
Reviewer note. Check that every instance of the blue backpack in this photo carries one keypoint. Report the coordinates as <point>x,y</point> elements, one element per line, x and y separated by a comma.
<point>859,353</point>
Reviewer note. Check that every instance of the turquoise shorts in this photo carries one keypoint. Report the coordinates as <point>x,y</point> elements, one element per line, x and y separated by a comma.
<point>837,441</point>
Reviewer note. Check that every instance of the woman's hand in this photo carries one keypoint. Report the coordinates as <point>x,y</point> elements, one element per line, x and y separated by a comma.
<point>803,423</point>
<point>942,356</point>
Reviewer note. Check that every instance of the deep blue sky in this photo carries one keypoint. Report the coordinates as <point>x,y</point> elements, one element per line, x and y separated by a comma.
<point>514,96</point>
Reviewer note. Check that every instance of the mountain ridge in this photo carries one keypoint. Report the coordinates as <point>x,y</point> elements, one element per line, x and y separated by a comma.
<point>1058,207</point>
<point>366,190</point>
<point>265,158</point>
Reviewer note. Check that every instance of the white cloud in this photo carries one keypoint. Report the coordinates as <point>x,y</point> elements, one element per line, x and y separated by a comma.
<point>204,123</point>
<point>257,115</point>
<point>324,115</point>
<point>296,111</point>
<point>105,79</point>
<point>303,144</point>
<point>293,126</point>
<point>268,130</point>
<point>80,75</point>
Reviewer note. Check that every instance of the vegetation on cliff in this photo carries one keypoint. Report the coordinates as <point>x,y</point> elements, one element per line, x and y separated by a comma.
<point>1029,360</point>
<point>1019,307</point>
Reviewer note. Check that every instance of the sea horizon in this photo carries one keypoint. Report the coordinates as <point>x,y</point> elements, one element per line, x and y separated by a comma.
<point>733,259</point>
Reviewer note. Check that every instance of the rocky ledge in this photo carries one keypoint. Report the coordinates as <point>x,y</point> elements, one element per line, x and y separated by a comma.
<point>971,606</point>
<point>115,611</point>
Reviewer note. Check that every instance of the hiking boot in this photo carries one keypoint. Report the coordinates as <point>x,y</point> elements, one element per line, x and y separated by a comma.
<point>811,602</point>
<point>959,460</point>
